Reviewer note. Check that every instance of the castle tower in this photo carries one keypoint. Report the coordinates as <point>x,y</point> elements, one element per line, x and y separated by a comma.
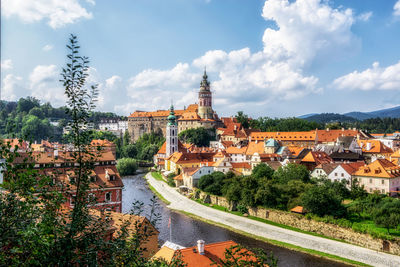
<point>205,99</point>
<point>172,133</point>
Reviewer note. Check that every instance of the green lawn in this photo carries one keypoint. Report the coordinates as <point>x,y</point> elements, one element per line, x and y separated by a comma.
<point>157,176</point>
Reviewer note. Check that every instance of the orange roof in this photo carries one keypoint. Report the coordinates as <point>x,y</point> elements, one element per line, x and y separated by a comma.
<point>298,209</point>
<point>285,136</point>
<point>212,252</point>
<point>379,168</point>
<point>162,113</point>
<point>165,253</point>
<point>99,142</point>
<point>352,167</point>
<point>396,154</point>
<point>236,150</point>
<point>189,116</point>
<point>255,147</point>
<point>374,146</point>
<point>181,147</point>
<point>332,135</point>
<point>179,177</point>
<point>295,150</point>
<point>238,165</point>
<point>318,157</point>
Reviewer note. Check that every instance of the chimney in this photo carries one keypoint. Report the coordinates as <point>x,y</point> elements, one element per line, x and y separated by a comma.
<point>368,146</point>
<point>200,246</point>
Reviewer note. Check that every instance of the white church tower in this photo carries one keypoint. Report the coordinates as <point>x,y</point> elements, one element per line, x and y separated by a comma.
<point>172,133</point>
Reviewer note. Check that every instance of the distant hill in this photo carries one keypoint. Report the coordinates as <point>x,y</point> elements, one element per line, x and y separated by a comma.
<point>307,115</point>
<point>330,117</point>
<point>352,116</point>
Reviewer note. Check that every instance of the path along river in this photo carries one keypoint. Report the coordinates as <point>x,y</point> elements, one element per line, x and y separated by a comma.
<point>186,231</point>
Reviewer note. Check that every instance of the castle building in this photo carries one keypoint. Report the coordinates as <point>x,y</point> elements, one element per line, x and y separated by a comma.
<point>194,116</point>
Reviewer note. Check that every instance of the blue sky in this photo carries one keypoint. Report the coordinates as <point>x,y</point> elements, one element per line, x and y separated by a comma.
<point>272,58</point>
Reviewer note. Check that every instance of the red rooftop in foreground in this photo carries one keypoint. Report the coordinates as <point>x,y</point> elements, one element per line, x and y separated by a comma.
<point>202,255</point>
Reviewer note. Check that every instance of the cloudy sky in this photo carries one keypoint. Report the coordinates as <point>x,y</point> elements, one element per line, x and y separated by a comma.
<point>272,58</point>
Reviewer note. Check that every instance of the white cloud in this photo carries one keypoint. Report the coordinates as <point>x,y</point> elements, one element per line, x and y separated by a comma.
<point>47,47</point>
<point>396,8</point>
<point>44,84</point>
<point>365,16</point>
<point>92,2</point>
<point>6,64</point>
<point>375,78</point>
<point>58,13</point>
<point>12,88</point>
<point>308,32</point>
<point>112,81</point>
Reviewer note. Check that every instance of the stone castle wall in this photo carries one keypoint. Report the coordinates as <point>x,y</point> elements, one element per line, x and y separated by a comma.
<point>301,222</point>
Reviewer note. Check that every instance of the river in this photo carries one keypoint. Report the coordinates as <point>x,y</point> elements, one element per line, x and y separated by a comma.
<point>186,231</point>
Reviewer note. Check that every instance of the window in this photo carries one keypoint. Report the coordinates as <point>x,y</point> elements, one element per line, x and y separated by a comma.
<point>108,197</point>
<point>342,174</point>
<point>370,181</point>
<point>112,177</point>
<point>335,173</point>
<point>383,181</point>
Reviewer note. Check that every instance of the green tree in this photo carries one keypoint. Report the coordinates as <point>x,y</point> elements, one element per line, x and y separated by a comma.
<point>127,166</point>
<point>26,104</point>
<point>292,171</point>
<point>262,170</point>
<point>37,111</point>
<point>321,201</point>
<point>243,119</point>
<point>127,138</point>
<point>36,129</point>
<point>387,214</point>
<point>130,151</point>
<point>199,136</point>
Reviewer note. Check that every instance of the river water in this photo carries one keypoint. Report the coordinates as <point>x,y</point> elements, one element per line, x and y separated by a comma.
<point>186,231</point>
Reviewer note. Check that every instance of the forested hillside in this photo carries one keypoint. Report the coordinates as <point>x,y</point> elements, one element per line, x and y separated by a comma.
<point>30,119</point>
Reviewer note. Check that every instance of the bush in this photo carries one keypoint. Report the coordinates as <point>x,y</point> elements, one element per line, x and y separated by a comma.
<point>170,180</point>
<point>127,166</point>
<point>242,208</point>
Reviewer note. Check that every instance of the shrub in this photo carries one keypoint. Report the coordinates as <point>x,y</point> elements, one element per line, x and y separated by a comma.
<point>127,166</point>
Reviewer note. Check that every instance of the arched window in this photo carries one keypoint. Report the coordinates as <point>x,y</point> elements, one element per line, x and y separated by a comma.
<point>173,132</point>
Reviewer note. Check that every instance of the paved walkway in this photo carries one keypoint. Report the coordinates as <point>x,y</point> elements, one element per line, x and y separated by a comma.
<point>344,250</point>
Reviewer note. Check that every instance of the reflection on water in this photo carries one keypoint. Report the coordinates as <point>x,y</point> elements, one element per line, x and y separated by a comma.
<point>186,231</point>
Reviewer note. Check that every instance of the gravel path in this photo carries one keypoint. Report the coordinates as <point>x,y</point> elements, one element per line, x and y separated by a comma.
<point>179,202</point>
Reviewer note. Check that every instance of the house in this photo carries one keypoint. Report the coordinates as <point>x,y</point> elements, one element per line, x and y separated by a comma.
<point>345,171</point>
<point>381,175</point>
<point>233,131</point>
<point>302,139</point>
<point>265,158</point>
<point>203,254</point>
<point>241,168</point>
<point>61,166</point>
<point>315,158</point>
<point>374,149</point>
<point>222,164</point>
<point>191,176</point>
<point>323,170</point>
<point>237,154</point>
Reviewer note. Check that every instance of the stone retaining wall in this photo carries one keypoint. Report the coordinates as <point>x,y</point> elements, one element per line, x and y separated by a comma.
<point>300,222</point>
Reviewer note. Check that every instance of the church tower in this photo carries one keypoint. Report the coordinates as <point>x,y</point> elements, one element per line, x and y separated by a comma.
<point>172,133</point>
<point>205,99</point>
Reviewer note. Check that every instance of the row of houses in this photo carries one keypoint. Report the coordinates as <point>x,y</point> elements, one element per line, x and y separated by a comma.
<point>335,154</point>
<point>60,164</point>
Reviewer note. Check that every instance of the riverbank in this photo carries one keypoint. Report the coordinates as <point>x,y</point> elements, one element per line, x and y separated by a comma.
<point>325,247</point>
